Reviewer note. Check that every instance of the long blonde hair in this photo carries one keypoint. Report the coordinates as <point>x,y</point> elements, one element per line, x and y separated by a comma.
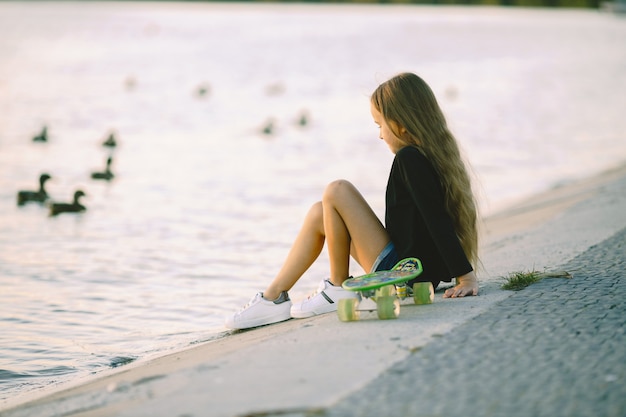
<point>408,102</point>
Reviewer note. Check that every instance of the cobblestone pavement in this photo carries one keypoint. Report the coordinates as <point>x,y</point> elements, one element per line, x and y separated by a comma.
<point>556,348</point>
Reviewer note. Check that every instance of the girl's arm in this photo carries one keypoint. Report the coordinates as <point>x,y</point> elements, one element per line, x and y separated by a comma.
<point>422,183</point>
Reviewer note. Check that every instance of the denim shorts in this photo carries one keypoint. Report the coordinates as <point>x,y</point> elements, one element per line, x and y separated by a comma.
<point>386,259</point>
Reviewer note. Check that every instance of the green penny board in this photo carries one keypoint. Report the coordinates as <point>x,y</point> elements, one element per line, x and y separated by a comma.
<point>403,271</point>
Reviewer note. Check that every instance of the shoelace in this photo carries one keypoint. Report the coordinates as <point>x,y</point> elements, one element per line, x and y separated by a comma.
<point>252,300</point>
<point>319,289</point>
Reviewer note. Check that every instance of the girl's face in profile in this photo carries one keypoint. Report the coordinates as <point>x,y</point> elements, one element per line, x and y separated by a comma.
<point>386,133</point>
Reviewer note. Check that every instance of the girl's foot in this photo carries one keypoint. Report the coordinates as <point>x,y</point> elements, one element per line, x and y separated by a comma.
<point>323,300</point>
<point>259,312</point>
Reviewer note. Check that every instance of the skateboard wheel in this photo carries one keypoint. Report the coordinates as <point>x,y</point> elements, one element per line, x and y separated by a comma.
<point>386,291</point>
<point>388,307</point>
<point>346,309</point>
<point>423,293</point>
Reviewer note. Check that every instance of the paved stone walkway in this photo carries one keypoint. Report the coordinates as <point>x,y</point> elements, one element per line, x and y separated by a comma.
<point>556,348</point>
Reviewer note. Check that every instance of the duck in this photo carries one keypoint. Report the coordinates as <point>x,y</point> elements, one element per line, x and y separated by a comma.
<point>43,136</point>
<point>110,142</point>
<point>130,83</point>
<point>39,196</point>
<point>74,207</point>
<point>203,90</point>
<point>275,89</point>
<point>268,128</point>
<point>303,120</point>
<point>106,175</point>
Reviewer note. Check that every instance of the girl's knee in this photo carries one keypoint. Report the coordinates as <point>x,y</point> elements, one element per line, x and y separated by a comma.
<point>337,189</point>
<point>314,220</point>
<point>316,212</point>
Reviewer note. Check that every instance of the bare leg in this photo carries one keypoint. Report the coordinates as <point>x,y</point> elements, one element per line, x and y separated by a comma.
<point>350,227</point>
<point>304,251</point>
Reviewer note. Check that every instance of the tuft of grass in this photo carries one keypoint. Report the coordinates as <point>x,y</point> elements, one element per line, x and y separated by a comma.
<point>519,280</point>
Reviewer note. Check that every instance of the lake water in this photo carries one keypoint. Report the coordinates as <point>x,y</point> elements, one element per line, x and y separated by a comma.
<point>204,206</point>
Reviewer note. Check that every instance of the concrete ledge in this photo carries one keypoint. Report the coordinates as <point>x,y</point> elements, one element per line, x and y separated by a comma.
<point>303,366</point>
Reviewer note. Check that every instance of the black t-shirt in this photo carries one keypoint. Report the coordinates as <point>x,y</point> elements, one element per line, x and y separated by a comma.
<point>417,221</point>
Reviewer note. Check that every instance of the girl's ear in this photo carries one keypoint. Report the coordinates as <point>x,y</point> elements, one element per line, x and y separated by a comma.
<point>397,128</point>
<point>404,134</point>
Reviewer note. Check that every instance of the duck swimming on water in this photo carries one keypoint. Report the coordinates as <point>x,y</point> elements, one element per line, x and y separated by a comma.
<point>74,207</point>
<point>107,174</point>
<point>39,196</point>
<point>268,128</point>
<point>110,142</point>
<point>43,136</point>
<point>303,120</point>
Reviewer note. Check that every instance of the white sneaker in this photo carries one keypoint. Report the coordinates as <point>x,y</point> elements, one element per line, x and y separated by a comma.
<point>323,300</point>
<point>260,311</point>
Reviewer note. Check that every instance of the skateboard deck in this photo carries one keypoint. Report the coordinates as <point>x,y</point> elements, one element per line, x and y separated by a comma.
<point>382,291</point>
<point>403,271</point>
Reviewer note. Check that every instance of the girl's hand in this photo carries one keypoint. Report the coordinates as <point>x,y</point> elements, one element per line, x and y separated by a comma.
<point>466,285</point>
